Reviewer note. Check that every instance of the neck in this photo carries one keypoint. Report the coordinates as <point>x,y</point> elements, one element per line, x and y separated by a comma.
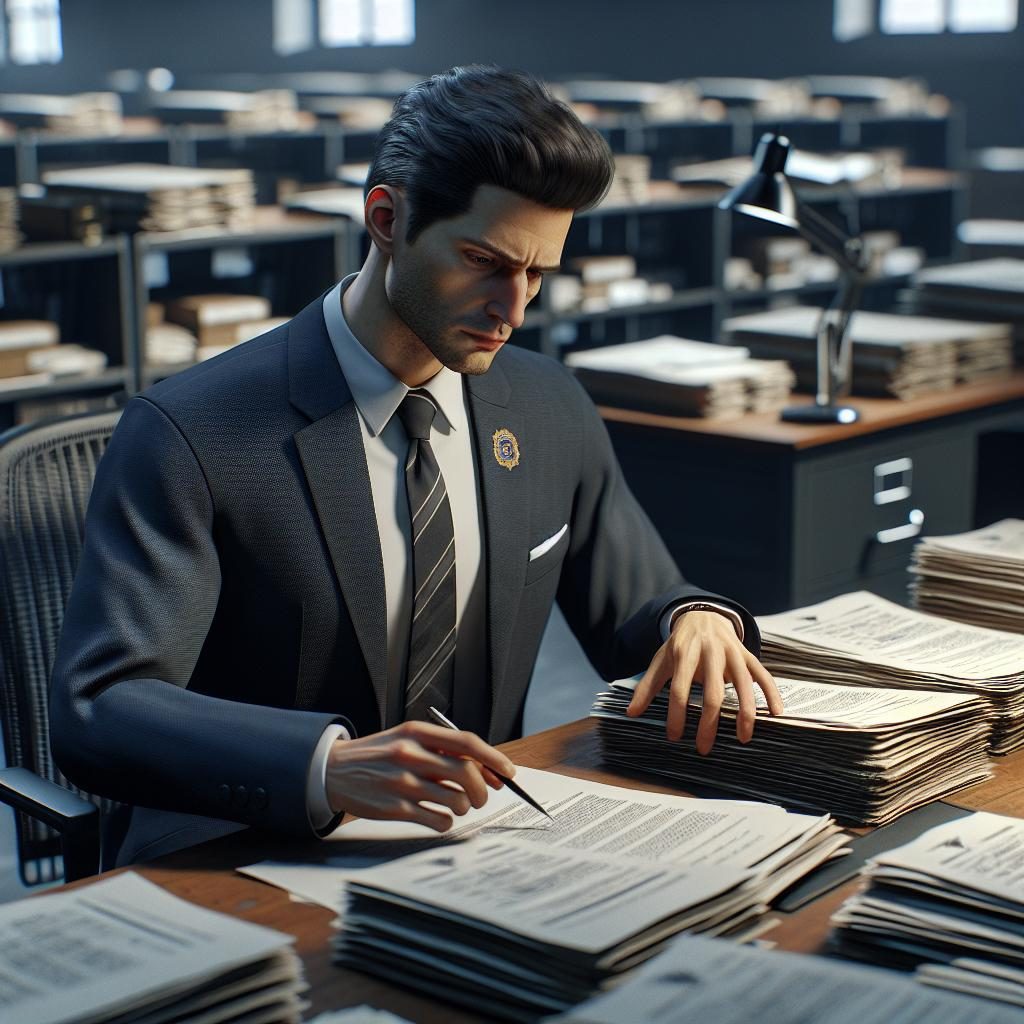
<point>378,328</point>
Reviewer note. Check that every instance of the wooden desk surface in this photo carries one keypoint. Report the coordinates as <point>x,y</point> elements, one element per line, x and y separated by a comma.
<point>876,414</point>
<point>206,875</point>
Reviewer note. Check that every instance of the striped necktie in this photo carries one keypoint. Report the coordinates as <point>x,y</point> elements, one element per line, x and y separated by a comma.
<point>431,665</point>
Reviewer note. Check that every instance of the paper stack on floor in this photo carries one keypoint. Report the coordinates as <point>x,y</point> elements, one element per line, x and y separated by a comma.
<point>698,979</point>
<point>861,639</point>
<point>123,950</point>
<point>975,577</point>
<point>156,197</point>
<point>681,377</point>
<point>865,755</point>
<point>893,356</point>
<point>950,904</point>
<point>531,914</point>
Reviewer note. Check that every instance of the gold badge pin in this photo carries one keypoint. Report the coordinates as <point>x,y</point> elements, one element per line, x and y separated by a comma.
<point>506,448</point>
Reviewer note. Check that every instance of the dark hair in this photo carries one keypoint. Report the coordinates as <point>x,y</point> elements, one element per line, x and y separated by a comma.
<point>481,125</point>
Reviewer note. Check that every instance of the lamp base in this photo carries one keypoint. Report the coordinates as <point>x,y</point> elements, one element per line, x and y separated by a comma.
<point>819,414</point>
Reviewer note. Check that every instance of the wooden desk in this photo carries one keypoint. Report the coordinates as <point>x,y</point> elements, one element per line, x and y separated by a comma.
<point>205,875</point>
<point>779,515</point>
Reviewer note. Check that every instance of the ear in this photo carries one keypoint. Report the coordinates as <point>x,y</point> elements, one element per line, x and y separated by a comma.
<point>381,214</point>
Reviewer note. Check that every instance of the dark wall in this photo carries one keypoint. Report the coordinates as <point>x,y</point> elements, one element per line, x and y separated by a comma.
<point>648,39</point>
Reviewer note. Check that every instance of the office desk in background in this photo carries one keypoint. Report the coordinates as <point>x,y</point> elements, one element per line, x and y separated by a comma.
<point>779,515</point>
<point>205,875</point>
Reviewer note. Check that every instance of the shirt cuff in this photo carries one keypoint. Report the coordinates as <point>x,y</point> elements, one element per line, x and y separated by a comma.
<point>668,620</point>
<point>317,808</point>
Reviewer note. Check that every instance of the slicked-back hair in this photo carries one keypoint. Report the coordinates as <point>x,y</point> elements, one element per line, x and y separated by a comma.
<point>481,125</point>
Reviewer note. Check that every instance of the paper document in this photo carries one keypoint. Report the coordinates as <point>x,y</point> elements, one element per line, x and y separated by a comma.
<point>124,946</point>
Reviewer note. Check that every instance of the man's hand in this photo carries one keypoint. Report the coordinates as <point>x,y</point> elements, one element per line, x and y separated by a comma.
<point>703,647</point>
<point>390,774</point>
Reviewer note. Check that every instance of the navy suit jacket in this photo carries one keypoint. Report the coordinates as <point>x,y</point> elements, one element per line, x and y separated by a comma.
<point>229,604</point>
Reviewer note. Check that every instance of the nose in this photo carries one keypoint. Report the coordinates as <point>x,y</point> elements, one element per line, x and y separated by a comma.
<point>510,297</point>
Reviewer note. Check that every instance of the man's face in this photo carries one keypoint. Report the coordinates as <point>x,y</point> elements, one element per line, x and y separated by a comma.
<point>464,284</point>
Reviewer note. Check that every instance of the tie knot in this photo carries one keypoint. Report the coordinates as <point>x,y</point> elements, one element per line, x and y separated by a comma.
<point>417,414</point>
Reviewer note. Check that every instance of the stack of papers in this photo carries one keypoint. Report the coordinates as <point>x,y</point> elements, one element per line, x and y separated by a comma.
<point>10,236</point>
<point>340,202</point>
<point>125,951</point>
<point>861,639</point>
<point>511,912</point>
<point>87,113</point>
<point>975,577</point>
<point>865,755</point>
<point>266,110</point>
<point>681,377</point>
<point>950,904</point>
<point>698,979</point>
<point>893,356</point>
<point>156,197</point>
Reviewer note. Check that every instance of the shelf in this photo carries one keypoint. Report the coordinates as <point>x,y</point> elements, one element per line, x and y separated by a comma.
<point>270,224</point>
<point>687,299</point>
<point>54,252</point>
<point>113,377</point>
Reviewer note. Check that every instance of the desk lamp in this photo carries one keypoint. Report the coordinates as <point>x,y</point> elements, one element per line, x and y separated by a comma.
<point>768,195</point>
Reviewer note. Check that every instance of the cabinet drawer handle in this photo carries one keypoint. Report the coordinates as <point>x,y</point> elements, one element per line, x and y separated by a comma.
<point>910,529</point>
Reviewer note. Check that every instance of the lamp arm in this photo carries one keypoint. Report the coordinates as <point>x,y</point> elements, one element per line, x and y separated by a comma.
<point>830,239</point>
<point>840,370</point>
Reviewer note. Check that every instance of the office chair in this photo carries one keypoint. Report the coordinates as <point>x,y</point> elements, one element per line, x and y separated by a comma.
<point>46,475</point>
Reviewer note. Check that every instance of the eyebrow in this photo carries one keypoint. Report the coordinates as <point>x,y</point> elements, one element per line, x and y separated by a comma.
<point>507,257</point>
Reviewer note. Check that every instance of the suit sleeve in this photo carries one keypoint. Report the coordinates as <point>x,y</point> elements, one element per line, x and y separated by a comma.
<point>619,578</point>
<point>123,721</point>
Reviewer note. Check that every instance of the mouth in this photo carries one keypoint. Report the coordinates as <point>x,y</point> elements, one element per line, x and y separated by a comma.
<point>487,342</point>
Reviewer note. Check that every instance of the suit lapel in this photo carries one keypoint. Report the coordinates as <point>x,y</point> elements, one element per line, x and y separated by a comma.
<point>334,462</point>
<point>505,497</point>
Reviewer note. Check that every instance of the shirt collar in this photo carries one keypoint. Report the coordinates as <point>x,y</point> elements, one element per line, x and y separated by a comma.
<point>376,391</point>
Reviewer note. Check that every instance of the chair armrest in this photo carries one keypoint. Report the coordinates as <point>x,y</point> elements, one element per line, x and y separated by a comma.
<point>76,819</point>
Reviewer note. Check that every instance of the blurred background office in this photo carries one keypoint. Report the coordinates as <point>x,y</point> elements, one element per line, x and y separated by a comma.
<point>178,177</point>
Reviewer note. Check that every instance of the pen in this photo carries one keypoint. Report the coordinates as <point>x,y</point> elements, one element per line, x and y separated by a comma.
<point>517,789</point>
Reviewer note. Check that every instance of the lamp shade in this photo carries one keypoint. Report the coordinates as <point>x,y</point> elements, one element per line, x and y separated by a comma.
<point>766,194</point>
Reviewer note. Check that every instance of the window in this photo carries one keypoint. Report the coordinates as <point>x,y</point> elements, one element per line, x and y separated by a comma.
<point>854,19</point>
<point>362,22</point>
<point>293,26</point>
<point>33,31</point>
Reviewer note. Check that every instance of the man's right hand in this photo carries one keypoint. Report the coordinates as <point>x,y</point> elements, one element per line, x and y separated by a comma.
<point>392,774</point>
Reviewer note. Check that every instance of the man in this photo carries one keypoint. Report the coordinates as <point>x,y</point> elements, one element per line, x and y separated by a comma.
<point>294,550</point>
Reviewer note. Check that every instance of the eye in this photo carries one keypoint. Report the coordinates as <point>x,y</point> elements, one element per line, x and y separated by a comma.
<point>479,259</point>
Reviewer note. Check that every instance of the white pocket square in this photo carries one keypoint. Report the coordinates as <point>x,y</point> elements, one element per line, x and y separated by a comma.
<point>545,546</point>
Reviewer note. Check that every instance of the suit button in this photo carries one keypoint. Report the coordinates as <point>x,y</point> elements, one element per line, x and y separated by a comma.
<point>241,796</point>
<point>224,792</point>
<point>259,798</point>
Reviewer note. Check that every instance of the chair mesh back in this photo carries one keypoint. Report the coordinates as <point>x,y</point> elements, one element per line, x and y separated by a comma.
<point>46,474</point>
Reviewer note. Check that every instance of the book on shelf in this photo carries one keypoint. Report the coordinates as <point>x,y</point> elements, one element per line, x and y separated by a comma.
<point>124,951</point>
<point>949,905</point>
<point>336,202</point>
<point>682,377</point>
<point>861,639</point>
<point>88,113</point>
<point>214,318</point>
<point>865,755</point>
<point>893,355</point>
<point>975,577</point>
<point>10,206</point>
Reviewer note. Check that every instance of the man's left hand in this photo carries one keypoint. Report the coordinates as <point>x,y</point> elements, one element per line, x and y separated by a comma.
<point>703,647</point>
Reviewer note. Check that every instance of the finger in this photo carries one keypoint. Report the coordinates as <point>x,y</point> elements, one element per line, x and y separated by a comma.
<point>446,795</point>
<point>742,683</point>
<point>764,679</point>
<point>464,772</point>
<point>679,694</point>
<point>461,743</point>
<point>653,680</point>
<point>410,810</point>
<point>490,778</point>
<point>714,692</point>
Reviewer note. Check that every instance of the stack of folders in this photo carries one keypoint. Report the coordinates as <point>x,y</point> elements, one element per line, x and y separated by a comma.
<point>529,915</point>
<point>866,755</point>
<point>124,951</point>
<point>265,110</point>
<point>681,377</point>
<point>975,577</point>
<point>155,197</point>
<point>10,236</point>
<point>982,290</point>
<point>894,356</point>
<point>87,113</point>
<point>949,905</point>
<point>698,979</point>
<point>861,639</point>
